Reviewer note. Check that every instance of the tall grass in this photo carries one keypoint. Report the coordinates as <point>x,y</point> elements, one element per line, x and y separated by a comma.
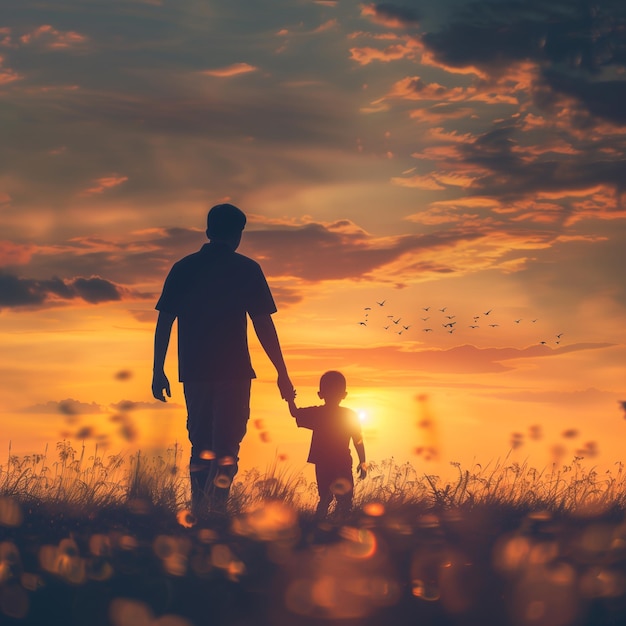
<point>81,480</point>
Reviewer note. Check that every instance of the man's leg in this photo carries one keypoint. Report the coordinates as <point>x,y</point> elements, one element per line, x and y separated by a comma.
<point>199,400</point>
<point>231,414</point>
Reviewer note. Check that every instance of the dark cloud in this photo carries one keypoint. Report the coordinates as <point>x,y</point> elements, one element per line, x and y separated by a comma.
<point>68,407</point>
<point>316,252</point>
<point>402,14</point>
<point>312,252</point>
<point>602,99</point>
<point>508,174</point>
<point>286,296</point>
<point>492,35</point>
<point>29,292</point>
<point>138,405</point>
<point>96,290</point>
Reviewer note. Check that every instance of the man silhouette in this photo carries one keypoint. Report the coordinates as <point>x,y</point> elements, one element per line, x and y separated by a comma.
<point>211,292</point>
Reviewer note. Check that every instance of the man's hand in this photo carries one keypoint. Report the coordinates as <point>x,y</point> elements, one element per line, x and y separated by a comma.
<point>160,384</point>
<point>362,471</point>
<point>287,392</point>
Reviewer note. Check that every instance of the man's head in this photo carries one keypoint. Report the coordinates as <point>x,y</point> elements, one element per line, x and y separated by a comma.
<point>225,223</point>
<point>332,387</point>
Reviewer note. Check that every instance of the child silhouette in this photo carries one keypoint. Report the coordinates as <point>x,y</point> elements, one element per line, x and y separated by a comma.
<point>333,427</point>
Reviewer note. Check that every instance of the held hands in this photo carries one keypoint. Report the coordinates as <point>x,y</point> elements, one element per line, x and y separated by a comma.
<point>160,384</point>
<point>287,392</point>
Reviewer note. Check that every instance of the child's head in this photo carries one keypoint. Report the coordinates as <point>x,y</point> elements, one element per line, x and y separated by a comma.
<point>332,387</point>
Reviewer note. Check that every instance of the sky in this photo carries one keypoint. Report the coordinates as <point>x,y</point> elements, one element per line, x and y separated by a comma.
<point>435,192</point>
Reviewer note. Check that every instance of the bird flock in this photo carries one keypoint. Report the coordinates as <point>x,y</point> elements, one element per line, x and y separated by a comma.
<point>432,319</point>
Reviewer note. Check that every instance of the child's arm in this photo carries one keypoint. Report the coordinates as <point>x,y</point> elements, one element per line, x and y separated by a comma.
<point>293,409</point>
<point>360,450</point>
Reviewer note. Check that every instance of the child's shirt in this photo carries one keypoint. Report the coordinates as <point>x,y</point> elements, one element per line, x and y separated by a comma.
<point>333,427</point>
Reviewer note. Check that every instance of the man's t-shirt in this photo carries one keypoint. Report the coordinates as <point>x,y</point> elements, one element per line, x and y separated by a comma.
<point>210,292</point>
<point>333,427</point>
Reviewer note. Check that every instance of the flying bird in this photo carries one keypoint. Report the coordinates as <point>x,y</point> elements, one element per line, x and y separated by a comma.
<point>487,312</point>
<point>381,303</point>
<point>426,308</point>
<point>425,319</point>
<point>474,326</point>
<point>493,325</point>
<point>450,317</point>
<point>396,321</point>
<point>428,330</point>
<point>363,323</point>
<point>444,309</point>
<point>518,321</point>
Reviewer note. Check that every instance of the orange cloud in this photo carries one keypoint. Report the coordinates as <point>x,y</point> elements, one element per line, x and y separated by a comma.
<point>439,113</point>
<point>366,55</point>
<point>435,216</point>
<point>570,193</point>
<point>102,184</point>
<point>389,15</point>
<point>52,38</point>
<point>328,25</point>
<point>5,37</point>
<point>556,146</point>
<point>231,70</point>
<point>14,253</point>
<point>429,59</point>
<point>380,36</point>
<point>7,75</point>
<point>427,182</point>
<point>440,134</point>
<point>469,202</point>
<point>453,179</point>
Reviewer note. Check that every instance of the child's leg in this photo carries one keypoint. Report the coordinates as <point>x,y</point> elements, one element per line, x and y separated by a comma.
<point>345,494</point>
<point>324,479</point>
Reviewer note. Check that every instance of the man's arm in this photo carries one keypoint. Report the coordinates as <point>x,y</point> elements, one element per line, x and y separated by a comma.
<point>266,332</point>
<point>162,335</point>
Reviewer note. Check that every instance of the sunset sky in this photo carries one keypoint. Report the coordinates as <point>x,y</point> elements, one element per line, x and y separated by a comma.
<point>461,157</point>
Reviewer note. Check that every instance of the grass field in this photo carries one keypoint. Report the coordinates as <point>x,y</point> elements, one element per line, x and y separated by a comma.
<point>107,540</point>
